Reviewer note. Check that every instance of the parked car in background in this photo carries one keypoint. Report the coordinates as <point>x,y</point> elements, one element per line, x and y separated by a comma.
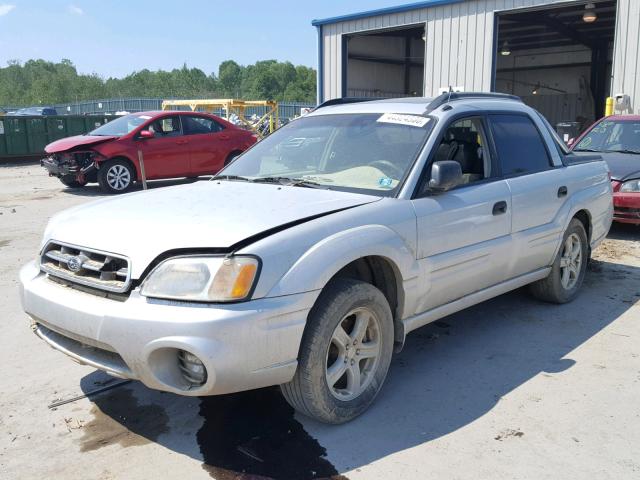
<point>617,139</point>
<point>306,262</point>
<point>173,144</point>
<point>34,111</point>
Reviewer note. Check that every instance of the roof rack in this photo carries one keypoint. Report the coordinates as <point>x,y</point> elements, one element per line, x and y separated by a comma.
<point>345,100</point>
<point>452,96</point>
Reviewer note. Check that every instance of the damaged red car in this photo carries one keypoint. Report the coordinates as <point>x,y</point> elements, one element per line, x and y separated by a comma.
<point>617,140</point>
<point>172,144</point>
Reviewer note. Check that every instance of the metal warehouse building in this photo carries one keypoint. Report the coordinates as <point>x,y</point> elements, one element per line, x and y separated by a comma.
<point>562,57</point>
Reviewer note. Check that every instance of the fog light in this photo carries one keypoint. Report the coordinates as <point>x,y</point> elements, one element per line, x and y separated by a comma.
<point>192,368</point>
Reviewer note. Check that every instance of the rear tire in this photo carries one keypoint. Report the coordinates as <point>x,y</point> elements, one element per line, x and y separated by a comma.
<point>116,176</point>
<point>568,269</point>
<point>345,353</point>
<point>71,182</point>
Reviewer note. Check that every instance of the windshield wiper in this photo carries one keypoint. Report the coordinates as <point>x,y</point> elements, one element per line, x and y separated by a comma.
<point>290,182</point>
<point>230,177</point>
<point>633,152</point>
<point>587,150</point>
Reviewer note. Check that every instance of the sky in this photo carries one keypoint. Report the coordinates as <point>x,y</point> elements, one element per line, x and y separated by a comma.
<point>115,37</point>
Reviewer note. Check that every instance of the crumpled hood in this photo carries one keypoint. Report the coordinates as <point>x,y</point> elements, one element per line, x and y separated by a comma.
<point>215,214</point>
<point>68,143</point>
<point>623,166</point>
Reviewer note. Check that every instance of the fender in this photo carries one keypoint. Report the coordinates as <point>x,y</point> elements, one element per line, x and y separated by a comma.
<point>115,149</point>
<point>313,270</point>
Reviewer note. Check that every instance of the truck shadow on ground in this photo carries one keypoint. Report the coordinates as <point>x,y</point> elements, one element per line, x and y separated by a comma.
<point>449,374</point>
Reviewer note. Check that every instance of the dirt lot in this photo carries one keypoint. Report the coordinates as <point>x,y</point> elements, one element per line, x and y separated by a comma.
<point>511,388</point>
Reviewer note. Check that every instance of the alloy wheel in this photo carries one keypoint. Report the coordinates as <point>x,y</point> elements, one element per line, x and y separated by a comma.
<point>353,354</point>
<point>118,177</point>
<point>571,261</point>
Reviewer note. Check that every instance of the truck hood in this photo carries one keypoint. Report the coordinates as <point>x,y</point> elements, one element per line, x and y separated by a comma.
<point>68,143</point>
<point>215,214</point>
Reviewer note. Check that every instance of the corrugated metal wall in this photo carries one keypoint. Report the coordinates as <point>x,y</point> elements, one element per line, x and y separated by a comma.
<point>459,44</point>
<point>626,61</point>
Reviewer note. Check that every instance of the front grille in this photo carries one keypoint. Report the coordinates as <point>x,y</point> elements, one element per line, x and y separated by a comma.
<point>85,266</point>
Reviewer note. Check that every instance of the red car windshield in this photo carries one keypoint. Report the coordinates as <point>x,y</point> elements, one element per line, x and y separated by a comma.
<point>121,126</point>
<point>612,136</point>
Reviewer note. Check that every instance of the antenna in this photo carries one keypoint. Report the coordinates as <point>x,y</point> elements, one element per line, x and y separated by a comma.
<point>450,92</point>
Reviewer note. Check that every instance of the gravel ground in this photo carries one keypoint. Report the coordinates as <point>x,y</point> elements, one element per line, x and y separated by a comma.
<point>511,388</point>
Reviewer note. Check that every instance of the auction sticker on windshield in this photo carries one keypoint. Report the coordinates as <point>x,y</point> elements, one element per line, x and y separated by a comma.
<point>400,119</point>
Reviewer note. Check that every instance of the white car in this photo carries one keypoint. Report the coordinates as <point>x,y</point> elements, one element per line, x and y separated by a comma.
<point>307,260</point>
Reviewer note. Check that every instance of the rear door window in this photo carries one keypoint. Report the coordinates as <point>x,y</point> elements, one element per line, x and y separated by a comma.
<point>194,125</point>
<point>520,147</point>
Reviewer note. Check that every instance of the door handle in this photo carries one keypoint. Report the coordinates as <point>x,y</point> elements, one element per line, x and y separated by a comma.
<point>224,137</point>
<point>562,191</point>
<point>499,208</point>
<point>181,142</point>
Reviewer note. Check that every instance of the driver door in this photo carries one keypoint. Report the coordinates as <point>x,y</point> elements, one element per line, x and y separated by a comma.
<point>166,155</point>
<point>464,236</point>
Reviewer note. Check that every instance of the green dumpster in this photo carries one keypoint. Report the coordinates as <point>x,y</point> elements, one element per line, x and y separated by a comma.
<point>27,136</point>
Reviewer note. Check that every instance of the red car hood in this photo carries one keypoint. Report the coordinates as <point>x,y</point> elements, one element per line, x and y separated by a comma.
<point>68,143</point>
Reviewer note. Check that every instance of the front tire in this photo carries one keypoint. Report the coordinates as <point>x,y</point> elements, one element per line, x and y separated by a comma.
<point>569,268</point>
<point>345,353</point>
<point>116,176</point>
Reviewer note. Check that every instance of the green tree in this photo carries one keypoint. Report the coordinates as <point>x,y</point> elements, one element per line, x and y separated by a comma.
<point>40,82</point>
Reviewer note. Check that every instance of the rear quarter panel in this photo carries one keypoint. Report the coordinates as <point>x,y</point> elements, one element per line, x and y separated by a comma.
<point>592,192</point>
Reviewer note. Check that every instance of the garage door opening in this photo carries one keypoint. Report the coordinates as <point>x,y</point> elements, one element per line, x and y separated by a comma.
<point>387,63</point>
<point>558,59</point>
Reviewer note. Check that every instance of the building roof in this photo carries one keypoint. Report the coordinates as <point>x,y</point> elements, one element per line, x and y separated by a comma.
<point>383,11</point>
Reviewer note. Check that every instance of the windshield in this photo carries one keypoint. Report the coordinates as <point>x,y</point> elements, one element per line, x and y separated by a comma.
<point>367,153</point>
<point>612,136</point>
<point>121,126</point>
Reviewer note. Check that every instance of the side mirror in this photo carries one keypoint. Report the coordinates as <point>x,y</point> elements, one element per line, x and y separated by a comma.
<point>445,175</point>
<point>147,134</point>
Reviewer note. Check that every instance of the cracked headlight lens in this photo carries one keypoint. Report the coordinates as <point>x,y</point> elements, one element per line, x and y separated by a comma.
<point>202,279</point>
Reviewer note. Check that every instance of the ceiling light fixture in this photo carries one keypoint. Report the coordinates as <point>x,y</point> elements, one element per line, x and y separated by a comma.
<point>505,51</point>
<point>589,15</point>
<point>536,89</point>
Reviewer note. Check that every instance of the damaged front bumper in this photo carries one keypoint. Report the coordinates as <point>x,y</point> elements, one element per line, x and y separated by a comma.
<point>79,165</point>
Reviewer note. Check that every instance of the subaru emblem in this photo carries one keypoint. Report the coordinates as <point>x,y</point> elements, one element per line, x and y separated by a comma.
<point>74,264</point>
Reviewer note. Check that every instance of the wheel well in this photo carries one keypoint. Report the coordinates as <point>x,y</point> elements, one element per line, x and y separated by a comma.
<point>585,218</point>
<point>233,153</point>
<point>125,159</point>
<point>382,274</point>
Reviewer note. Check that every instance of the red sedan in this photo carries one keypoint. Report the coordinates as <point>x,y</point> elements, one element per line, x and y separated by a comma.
<point>173,144</point>
<point>617,139</point>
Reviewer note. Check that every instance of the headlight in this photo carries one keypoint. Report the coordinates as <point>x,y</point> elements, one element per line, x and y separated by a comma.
<point>631,186</point>
<point>203,279</point>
